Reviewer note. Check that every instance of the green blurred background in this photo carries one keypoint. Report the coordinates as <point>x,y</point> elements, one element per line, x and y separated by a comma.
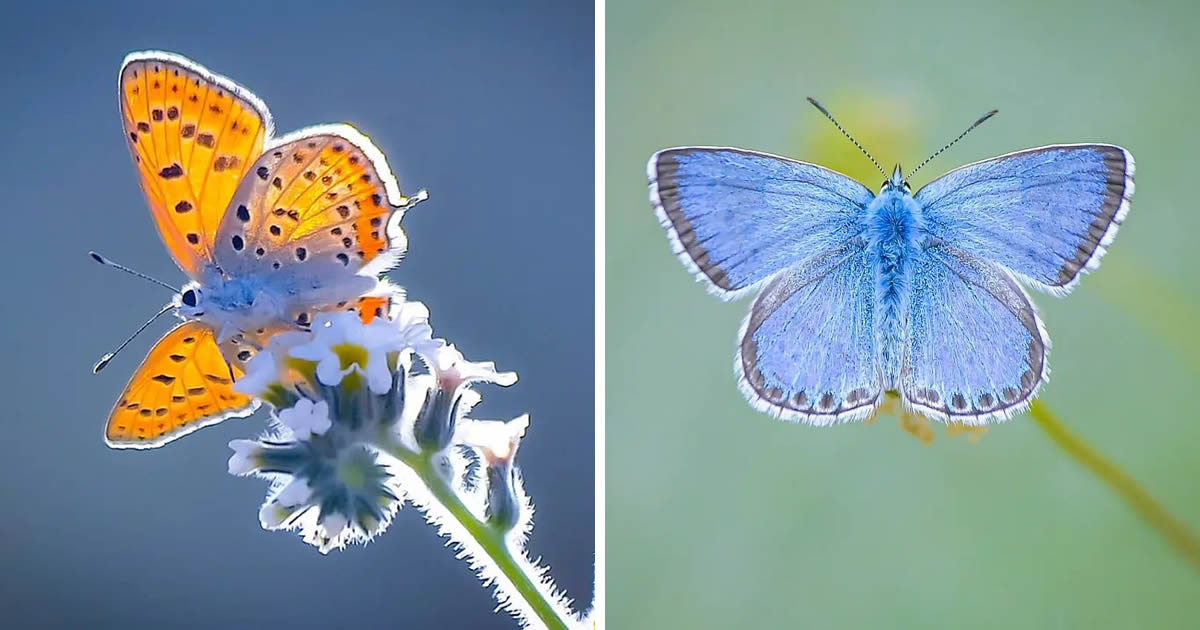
<point>720,517</point>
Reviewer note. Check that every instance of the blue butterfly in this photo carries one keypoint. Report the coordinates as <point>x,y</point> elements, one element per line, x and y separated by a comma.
<point>863,294</point>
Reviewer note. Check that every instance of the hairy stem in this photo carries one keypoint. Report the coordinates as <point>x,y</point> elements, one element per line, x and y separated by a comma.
<point>1171,528</point>
<point>490,541</point>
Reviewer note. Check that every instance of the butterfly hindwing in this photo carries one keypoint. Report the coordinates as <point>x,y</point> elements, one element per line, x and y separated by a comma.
<point>807,348</point>
<point>368,307</point>
<point>976,348</point>
<point>320,196</point>
<point>736,217</point>
<point>184,384</point>
<point>193,133</point>
<point>1046,214</point>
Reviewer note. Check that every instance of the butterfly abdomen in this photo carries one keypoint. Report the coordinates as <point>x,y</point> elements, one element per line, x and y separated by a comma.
<point>893,221</point>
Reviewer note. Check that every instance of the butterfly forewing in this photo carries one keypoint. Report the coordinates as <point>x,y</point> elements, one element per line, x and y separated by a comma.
<point>323,195</point>
<point>193,134</point>
<point>736,217</point>
<point>1047,214</point>
<point>184,384</point>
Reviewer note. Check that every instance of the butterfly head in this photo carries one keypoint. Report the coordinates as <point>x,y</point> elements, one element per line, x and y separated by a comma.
<point>190,301</point>
<point>896,182</point>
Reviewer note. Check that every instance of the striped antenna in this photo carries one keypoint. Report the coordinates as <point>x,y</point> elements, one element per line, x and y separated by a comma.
<point>951,143</point>
<point>108,263</point>
<point>109,356</point>
<point>845,133</point>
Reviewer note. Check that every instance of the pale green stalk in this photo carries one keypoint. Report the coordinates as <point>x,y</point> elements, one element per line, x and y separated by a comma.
<point>489,540</point>
<point>1172,529</point>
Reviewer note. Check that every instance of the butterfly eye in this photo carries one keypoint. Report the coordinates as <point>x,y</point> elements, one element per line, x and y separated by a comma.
<point>189,297</point>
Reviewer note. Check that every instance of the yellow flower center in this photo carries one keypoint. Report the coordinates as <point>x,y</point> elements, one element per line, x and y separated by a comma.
<point>348,355</point>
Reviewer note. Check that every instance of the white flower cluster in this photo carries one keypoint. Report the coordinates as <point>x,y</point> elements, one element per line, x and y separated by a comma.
<point>353,417</point>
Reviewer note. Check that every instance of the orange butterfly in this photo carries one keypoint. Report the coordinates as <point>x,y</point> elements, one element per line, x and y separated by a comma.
<point>270,230</point>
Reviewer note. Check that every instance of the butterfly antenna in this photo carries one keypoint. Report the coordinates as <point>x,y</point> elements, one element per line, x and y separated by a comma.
<point>108,357</point>
<point>845,133</point>
<point>108,263</point>
<point>421,195</point>
<point>951,143</point>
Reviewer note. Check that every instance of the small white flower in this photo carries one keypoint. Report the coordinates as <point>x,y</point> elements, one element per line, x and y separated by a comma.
<point>496,439</point>
<point>296,492</point>
<point>411,320</point>
<point>334,497</point>
<point>245,457</point>
<point>332,533</point>
<point>306,418</point>
<point>266,368</point>
<point>453,371</point>
<point>435,426</point>
<point>273,515</point>
<point>497,443</point>
<point>343,488</point>
<point>342,344</point>
<point>333,524</point>
<point>261,372</point>
<point>280,510</point>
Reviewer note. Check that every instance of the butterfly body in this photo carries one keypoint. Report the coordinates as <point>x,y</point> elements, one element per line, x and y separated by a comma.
<point>265,300</point>
<point>270,230</point>
<point>861,294</point>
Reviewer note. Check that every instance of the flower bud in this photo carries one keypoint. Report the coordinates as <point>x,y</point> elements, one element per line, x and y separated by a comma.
<point>503,511</point>
<point>435,422</point>
<point>497,442</point>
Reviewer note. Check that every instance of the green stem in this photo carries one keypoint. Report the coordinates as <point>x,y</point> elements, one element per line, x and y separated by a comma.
<point>1171,528</point>
<point>491,541</point>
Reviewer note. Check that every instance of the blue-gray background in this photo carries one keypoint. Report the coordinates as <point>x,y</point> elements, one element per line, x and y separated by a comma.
<point>489,107</point>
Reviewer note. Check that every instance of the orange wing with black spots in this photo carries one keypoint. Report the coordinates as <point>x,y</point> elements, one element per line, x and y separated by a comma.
<point>323,194</point>
<point>193,135</point>
<point>184,384</point>
<point>373,306</point>
<point>368,308</point>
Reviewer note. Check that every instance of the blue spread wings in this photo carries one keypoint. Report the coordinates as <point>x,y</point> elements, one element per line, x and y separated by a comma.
<point>736,217</point>
<point>976,348</point>
<point>807,348</point>
<point>1046,214</point>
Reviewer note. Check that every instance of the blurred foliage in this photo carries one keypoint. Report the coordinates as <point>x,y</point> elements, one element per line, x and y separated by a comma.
<point>722,517</point>
<point>1174,531</point>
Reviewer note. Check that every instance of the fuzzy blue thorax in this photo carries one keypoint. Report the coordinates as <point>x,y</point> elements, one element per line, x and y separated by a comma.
<point>234,304</point>
<point>893,225</point>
